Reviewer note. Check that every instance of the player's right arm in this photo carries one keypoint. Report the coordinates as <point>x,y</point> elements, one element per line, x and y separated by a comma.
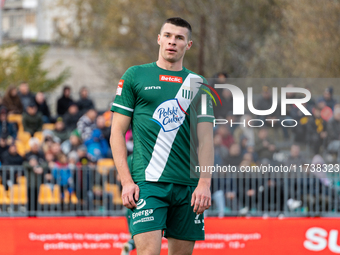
<point>130,192</point>
<point>123,108</point>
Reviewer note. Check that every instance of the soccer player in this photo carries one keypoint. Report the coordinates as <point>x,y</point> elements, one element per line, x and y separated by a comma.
<point>173,134</point>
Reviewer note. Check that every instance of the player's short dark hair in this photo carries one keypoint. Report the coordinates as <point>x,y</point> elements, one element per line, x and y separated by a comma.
<point>177,21</point>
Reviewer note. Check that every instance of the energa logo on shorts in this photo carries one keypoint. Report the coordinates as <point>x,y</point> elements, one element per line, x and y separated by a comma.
<point>140,204</point>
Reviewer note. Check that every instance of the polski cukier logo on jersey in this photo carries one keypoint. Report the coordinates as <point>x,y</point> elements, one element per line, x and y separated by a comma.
<point>169,115</point>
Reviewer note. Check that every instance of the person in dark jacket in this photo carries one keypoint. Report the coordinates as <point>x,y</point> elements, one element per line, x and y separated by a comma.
<point>36,171</point>
<point>328,97</point>
<point>32,119</point>
<point>26,96</point>
<point>11,157</point>
<point>64,101</point>
<point>316,130</point>
<point>264,147</point>
<point>60,131</point>
<point>12,101</point>
<point>43,107</point>
<point>3,146</point>
<point>84,103</point>
<point>71,117</point>
<point>6,128</point>
<point>35,150</point>
<point>333,133</point>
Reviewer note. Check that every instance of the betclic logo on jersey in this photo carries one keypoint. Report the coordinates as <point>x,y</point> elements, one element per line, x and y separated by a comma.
<point>169,78</point>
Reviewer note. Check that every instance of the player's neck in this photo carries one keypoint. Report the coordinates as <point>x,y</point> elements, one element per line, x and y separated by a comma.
<point>162,63</point>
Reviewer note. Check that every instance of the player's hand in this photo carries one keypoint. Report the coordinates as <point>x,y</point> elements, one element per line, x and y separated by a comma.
<point>130,194</point>
<point>201,198</point>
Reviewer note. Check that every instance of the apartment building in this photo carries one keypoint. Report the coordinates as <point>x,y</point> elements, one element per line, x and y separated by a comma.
<point>27,20</point>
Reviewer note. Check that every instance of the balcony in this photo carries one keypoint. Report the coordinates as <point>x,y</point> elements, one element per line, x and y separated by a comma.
<point>20,4</point>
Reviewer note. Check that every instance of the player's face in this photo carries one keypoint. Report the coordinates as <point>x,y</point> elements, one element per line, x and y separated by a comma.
<point>173,41</point>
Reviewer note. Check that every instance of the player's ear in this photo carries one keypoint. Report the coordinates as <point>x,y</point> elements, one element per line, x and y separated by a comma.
<point>158,39</point>
<point>189,45</point>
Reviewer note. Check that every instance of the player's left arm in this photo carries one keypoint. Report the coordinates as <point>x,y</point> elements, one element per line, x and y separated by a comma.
<point>201,198</point>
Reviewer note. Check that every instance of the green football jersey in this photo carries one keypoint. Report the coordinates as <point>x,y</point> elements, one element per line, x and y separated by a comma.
<point>165,107</point>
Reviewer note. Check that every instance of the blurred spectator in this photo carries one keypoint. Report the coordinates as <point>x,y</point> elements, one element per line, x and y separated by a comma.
<point>62,174</point>
<point>319,192</point>
<point>82,155</point>
<point>71,117</point>
<point>316,130</point>
<point>3,146</point>
<point>300,130</point>
<point>264,147</point>
<point>220,151</point>
<point>26,97</point>
<point>227,104</point>
<point>43,107</point>
<point>6,128</point>
<point>231,118</point>
<point>97,146</point>
<point>106,131</point>
<point>12,101</point>
<point>72,144</point>
<point>325,112</point>
<point>35,150</point>
<point>226,136</point>
<point>56,149</point>
<point>265,102</point>
<point>32,119</point>
<point>244,145</point>
<point>220,111</point>
<point>84,103</point>
<point>249,157</point>
<point>87,124</point>
<point>64,101</point>
<point>73,162</point>
<point>294,161</point>
<point>50,160</point>
<point>60,131</point>
<point>246,190</point>
<point>243,129</point>
<point>328,97</point>
<point>48,140</point>
<point>36,171</point>
<point>129,141</point>
<point>234,158</point>
<point>333,132</point>
<point>289,107</point>
<point>11,156</point>
<point>295,158</point>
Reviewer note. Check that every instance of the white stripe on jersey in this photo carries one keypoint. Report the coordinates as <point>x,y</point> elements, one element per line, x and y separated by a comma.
<point>123,107</point>
<point>209,116</point>
<point>163,145</point>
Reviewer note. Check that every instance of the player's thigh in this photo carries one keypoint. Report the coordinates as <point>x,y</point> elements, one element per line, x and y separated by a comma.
<point>152,209</point>
<point>148,243</point>
<point>180,247</point>
<point>182,223</point>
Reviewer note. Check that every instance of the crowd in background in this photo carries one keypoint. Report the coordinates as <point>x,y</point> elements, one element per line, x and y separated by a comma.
<point>314,140</point>
<point>51,147</point>
<point>79,136</point>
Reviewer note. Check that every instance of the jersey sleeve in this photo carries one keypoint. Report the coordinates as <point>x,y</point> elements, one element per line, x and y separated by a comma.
<point>124,102</point>
<point>209,116</point>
